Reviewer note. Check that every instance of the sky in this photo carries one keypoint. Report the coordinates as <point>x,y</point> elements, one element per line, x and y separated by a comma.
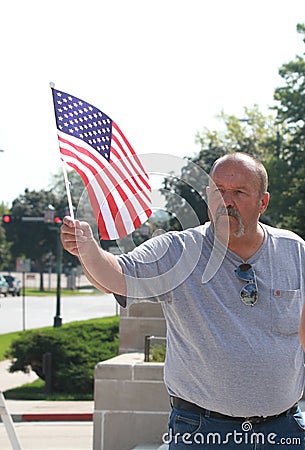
<point>162,70</point>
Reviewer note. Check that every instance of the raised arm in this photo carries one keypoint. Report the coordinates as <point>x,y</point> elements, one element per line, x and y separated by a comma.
<point>101,268</point>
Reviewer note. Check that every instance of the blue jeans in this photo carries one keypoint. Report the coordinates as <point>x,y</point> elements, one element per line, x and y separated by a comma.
<point>189,430</point>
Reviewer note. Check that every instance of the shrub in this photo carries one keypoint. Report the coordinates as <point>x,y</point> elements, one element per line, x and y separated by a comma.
<point>76,348</point>
<point>158,353</point>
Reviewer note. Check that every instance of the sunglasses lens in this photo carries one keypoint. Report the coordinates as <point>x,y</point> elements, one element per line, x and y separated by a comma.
<point>249,294</point>
<point>245,272</point>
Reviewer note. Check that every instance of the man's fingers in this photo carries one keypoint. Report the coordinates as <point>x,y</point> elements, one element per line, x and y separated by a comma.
<point>74,233</point>
<point>76,227</point>
<point>68,221</point>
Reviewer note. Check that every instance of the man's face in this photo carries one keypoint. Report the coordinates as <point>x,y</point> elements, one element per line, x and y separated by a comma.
<point>234,198</point>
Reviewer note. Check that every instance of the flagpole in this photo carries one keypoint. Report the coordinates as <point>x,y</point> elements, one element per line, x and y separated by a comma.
<point>67,182</point>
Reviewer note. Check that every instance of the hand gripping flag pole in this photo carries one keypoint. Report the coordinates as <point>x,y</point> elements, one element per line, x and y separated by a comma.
<point>91,143</point>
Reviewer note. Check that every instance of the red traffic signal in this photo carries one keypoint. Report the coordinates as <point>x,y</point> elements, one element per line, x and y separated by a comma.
<point>7,218</point>
<point>57,220</point>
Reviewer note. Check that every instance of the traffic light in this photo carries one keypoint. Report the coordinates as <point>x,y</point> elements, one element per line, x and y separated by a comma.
<point>57,220</point>
<point>7,218</point>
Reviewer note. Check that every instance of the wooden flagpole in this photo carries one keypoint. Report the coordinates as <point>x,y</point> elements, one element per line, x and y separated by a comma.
<point>67,183</point>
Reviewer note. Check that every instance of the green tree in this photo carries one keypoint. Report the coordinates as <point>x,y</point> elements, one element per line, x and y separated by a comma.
<point>33,240</point>
<point>76,186</point>
<point>279,142</point>
<point>290,108</point>
<point>255,134</point>
<point>5,254</point>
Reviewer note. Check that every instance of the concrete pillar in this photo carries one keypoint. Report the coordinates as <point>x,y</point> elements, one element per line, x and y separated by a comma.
<point>131,403</point>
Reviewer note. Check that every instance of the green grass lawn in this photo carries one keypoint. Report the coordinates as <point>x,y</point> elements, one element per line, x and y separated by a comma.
<point>5,342</point>
<point>64,292</point>
<point>36,391</point>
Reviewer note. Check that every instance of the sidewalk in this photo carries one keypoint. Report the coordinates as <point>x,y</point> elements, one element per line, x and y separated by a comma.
<point>40,410</point>
<point>13,380</point>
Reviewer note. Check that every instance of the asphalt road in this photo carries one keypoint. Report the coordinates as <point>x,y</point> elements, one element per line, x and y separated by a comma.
<point>17,314</point>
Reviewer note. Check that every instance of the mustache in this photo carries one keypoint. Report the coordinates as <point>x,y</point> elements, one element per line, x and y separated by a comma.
<point>228,211</point>
<point>233,212</point>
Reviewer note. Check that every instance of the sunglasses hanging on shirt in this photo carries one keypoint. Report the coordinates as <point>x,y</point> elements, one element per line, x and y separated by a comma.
<point>248,293</point>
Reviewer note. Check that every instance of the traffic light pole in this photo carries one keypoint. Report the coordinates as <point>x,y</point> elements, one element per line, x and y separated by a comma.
<point>57,318</point>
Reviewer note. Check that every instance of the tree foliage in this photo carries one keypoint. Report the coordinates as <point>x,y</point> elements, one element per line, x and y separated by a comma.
<point>5,254</point>
<point>254,134</point>
<point>37,241</point>
<point>290,108</point>
<point>278,140</point>
<point>32,239</point>
<point>76,186</point>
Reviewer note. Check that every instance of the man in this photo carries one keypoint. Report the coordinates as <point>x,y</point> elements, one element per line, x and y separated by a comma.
<point>232,292</point>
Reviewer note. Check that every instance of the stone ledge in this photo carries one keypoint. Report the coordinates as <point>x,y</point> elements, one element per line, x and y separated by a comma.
<point>129,366</point>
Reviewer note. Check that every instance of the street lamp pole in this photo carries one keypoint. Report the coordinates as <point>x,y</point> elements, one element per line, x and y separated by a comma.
<point>57,318</point>
<point>49,218</point>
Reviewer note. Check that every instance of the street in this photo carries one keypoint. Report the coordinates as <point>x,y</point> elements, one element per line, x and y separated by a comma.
<point>17,314</point>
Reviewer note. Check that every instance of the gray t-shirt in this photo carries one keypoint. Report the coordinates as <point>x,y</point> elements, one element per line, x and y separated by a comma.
<point>222,354</point>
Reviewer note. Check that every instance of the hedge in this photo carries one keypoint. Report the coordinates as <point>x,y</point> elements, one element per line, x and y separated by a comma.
<point>76,348</point>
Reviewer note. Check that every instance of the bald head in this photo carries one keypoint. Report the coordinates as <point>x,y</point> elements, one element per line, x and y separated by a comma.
<point>245,161</point>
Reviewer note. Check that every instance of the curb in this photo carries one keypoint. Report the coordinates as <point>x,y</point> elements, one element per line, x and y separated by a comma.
<point>52,417</point>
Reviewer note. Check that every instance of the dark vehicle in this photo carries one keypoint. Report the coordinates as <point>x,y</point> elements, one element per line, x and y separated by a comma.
<point>4,287</point>
<point>13,285</point>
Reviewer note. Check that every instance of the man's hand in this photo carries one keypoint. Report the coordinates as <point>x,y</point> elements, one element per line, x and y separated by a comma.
<point>100,267</point>
<point>75,235</point>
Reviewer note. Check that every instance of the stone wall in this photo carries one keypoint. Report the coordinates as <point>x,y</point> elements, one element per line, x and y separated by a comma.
<point>137,321</point>
<point>131,403</point>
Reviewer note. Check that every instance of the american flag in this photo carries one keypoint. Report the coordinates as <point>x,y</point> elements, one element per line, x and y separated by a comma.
<point>117,184</point>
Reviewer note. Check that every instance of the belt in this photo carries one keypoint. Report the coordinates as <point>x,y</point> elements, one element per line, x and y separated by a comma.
<point>183,404</point>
